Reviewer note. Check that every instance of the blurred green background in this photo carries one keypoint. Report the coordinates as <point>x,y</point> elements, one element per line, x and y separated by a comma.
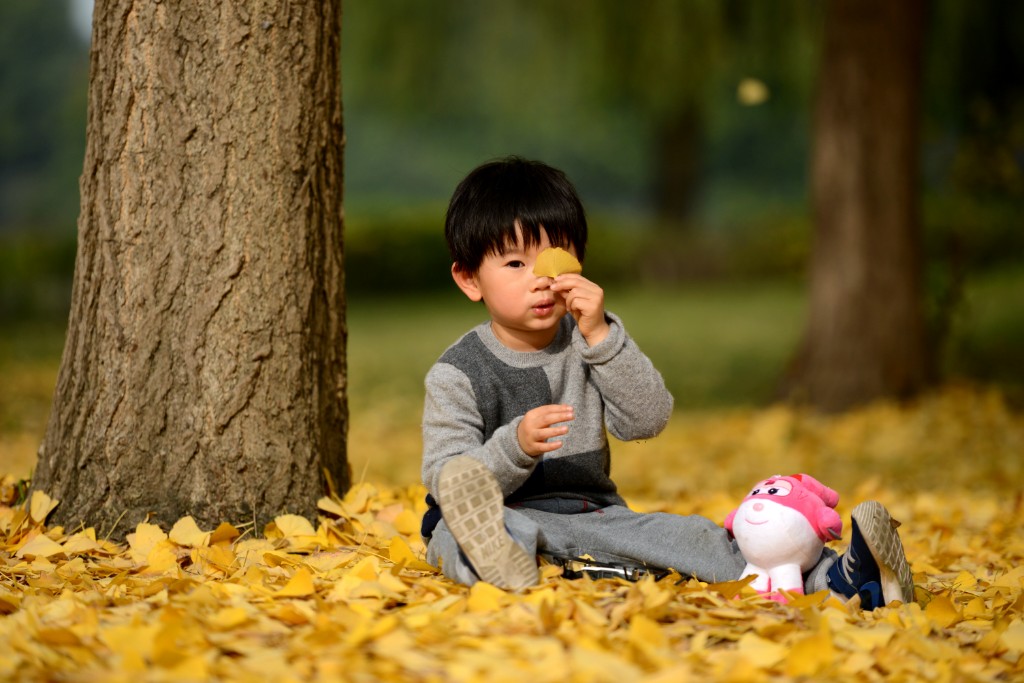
<point>684,123</point>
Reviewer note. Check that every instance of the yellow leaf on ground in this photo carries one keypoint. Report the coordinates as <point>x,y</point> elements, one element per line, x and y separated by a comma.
<point>39,546</point>
<point>811,654</point>
<point>82,542</point>
<point>878,635</point>
<point>162,559</point>
<point>400,553</point>
<point>759,651</point>
<point>215,558</point>
<point>143,539</point>
<point>407,522</point>
<point>975,609</point>
<point>330,506</point>
<point>483,597</point>
<point>40,506</point>
<point>358,498</point>
<point>327,561</point>
<point>352,587</point>
<point>132,643</point>
<point>1013,636</point>
<point>299,586</point>
<point>965,580</point>
<point>730,589</point>
<point>366,569</point>
<point>294,525</point>
<point>58,635</point>
<point>228,618</point>
<point>644,632</point>
<point>190,668</point>
<point>391,583</point>
<point>186,533</point>
<point>224,532</point>
<point>942,611</point>
<point>1011,579</point>
<point>292,613</point>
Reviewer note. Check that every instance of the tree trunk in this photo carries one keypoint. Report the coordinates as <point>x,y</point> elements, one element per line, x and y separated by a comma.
<point>204,367</point>
<point>865,337</point>
<point>677,163</point>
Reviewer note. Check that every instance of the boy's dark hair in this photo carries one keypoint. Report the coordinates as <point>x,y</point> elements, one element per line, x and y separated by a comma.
<point>495,197</point>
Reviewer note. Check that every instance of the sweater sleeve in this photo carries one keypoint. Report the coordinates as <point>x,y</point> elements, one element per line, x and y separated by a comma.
<point>637,403</point>
<point>453,425</point>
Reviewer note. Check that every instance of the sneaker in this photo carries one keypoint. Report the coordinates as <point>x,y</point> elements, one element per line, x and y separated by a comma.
<point>875,566</point>
<point>474,510</point>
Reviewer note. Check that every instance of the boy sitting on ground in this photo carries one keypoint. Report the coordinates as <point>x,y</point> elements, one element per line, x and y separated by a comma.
<point>517,411</point>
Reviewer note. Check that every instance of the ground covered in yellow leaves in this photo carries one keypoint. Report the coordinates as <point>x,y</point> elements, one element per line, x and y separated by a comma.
<point>350,598</point>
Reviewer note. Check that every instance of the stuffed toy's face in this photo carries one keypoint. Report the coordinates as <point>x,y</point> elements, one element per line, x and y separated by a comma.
<point>772,532</point>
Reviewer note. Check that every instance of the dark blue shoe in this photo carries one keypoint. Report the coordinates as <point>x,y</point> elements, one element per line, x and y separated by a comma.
<point>871,595</point>
<point>875,566</point>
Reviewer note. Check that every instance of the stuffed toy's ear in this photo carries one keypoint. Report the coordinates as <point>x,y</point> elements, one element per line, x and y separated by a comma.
<point>829,523</point>
<point>830,497</point>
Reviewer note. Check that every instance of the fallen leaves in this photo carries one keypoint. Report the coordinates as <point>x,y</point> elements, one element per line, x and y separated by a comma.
<point>350,596</point>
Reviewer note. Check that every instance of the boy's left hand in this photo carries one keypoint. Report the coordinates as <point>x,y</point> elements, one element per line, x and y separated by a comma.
<point>585,301</point>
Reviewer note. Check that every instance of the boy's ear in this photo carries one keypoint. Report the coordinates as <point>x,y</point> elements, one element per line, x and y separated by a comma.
<point>467,282</point>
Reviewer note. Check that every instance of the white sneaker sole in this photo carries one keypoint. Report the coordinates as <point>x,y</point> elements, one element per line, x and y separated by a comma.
<point>879,531</point>
<point>474,511</point>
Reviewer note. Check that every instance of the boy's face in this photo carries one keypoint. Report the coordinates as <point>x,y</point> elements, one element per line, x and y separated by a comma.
<point>524,311</point>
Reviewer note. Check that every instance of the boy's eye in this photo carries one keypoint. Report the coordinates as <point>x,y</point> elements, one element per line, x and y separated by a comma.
<point>515,264</point>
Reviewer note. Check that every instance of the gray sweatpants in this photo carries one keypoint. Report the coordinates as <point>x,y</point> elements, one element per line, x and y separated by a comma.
<point>692,545</point>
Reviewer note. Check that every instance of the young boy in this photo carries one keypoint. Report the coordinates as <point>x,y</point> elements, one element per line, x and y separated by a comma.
<point>515,452</point>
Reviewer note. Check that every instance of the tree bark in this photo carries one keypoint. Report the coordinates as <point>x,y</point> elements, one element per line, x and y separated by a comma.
<point>865,337</point>
<point>204,367</point>
<point>677,160</point>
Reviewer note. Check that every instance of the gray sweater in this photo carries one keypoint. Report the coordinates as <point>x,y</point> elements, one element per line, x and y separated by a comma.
<point>479,390</point>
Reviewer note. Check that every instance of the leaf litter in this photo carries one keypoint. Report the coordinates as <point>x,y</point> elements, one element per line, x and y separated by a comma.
<point>351,598</point>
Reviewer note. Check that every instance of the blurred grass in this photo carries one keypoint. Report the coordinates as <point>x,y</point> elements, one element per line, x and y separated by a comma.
<point>720,346</point>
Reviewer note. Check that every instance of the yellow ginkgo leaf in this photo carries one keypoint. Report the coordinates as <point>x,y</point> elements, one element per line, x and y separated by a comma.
<point>82,542</point>
<point>366,569</point>
<point>39,546</point>
<point>810,654</point>
<point>132,643</point>
<point>942,611</point>
<point>224,532</point>
<point>41,506</point>
<point>483,597</point>
<point>294,525</point>
<point>144,539</point>
<point>760,652</point>
<point>1011,579</point>
<point>1013,636</point>
<point>185,532</point>
<point>299,586</point>
<point>161,559</point>
<point>644,632</point>
<point>555,261</point>
<point>330,506</point>
<point>228,618</point>
<point>400,553</point>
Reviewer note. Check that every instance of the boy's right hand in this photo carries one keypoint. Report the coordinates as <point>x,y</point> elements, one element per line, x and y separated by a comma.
<point>537,426</point>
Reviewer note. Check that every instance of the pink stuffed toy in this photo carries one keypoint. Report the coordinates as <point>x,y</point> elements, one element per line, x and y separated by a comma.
<point>781,528</point>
